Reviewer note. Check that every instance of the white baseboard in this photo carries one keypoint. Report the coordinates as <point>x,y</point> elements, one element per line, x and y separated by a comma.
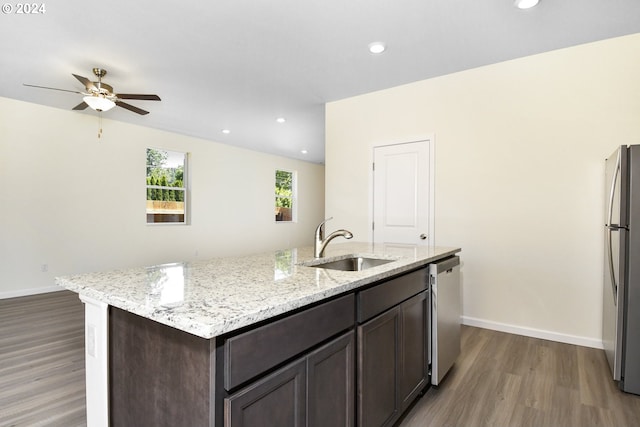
<point>27,292</point>
<point>531,332</point>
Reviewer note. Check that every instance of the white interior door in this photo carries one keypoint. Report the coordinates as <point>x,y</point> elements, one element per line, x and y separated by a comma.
<point>402,194</point>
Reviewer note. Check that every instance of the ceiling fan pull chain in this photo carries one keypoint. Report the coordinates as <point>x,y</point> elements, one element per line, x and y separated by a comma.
<point>100,125</point>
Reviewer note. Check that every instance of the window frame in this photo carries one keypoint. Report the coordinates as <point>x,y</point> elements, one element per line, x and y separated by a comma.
<point>293,198</point>
<point>184,189</point>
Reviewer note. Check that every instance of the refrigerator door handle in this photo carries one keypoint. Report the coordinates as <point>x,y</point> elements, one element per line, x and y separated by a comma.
<point>612,192</point>
<point>611,227</point>
<point>614,286</point>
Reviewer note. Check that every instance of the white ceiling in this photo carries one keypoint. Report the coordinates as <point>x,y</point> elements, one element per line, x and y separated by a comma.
<point>240,64</point>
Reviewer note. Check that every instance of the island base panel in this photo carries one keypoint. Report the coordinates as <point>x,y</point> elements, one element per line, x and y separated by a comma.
<point>159,376</point>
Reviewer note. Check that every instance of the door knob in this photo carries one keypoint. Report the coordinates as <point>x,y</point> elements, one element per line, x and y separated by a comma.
<point>423,236</point>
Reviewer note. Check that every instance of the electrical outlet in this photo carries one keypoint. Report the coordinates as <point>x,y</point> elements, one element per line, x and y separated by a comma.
<point>44,268</point>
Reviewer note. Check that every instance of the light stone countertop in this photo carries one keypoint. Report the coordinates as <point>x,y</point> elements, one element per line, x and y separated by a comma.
<point>211,297</point>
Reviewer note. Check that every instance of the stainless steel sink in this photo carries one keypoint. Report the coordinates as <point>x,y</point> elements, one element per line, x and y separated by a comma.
<point>357,263</point>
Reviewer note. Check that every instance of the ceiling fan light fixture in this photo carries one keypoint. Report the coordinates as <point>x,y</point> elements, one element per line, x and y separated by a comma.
<point>99,103</point>
<point>525,4</point>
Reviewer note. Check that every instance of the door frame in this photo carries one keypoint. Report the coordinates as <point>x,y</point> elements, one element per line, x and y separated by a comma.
<point>431,142</point>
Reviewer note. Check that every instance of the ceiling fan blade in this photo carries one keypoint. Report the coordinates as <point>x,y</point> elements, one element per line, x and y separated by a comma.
<point>80,106</point>
<point>137,96</point>
<point>86,82</point>
<point>53,88</point>
<point>131,108</point>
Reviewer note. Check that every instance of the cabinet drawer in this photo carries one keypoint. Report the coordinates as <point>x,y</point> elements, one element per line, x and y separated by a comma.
<point>379,298</point>
<point>276,400</point>
<point>254,352</point>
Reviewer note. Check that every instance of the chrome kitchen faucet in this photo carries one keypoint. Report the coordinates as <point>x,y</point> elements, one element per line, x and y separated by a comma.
<point>320,243</point>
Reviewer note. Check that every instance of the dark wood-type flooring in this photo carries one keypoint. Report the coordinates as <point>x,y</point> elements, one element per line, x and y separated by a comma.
<point>499,380</point>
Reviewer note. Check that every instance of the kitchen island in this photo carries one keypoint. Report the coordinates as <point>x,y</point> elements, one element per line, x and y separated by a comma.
<point>186,343</point>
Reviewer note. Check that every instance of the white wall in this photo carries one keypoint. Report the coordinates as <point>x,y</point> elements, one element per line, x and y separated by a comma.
<point>519,176</point>
<point>77,203</point>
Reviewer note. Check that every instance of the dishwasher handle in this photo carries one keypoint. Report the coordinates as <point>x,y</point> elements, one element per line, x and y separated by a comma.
<point>447,264</point>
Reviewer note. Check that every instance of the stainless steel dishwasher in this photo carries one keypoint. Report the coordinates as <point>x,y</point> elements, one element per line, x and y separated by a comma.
<point>444,339</point>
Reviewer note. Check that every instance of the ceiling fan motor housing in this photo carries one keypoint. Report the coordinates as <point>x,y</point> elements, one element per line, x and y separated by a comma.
<point>102,88</point>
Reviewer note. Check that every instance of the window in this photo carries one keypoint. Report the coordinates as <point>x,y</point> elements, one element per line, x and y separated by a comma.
<point>166,186</point>
<point>285,196</point>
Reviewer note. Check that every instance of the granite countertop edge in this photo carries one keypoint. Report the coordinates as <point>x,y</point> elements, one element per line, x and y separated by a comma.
<point>211,317</point>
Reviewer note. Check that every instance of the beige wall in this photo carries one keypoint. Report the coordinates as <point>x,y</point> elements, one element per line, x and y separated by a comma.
<point>77,203</point>
<point>519,176</point>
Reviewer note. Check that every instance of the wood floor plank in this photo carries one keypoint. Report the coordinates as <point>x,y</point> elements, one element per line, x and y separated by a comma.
<point>514,381</point>
<point>498,410</point>
<point>566,366</point>
<point>597,389</point>
<point>526,416</point>
<point>566,406</point>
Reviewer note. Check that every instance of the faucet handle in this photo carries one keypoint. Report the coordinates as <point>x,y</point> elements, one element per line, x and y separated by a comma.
<point>328,219</point>
<point>320,230</point>
<point>323,222</point>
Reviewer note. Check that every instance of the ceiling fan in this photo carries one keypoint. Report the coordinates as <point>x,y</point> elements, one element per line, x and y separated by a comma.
<point>100,96</point>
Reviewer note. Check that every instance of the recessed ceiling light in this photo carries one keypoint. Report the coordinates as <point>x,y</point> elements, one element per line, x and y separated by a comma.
<point>280,120</point>
<point>226,131</point>
<point>377,47</point>
<point>303,151</point>
<point>525,4</point>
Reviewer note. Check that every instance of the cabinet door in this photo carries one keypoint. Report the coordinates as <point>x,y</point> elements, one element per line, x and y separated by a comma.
<point>278,399</point>
<point>330,379</point>
<point>377,373</point>
<point>413,359</point>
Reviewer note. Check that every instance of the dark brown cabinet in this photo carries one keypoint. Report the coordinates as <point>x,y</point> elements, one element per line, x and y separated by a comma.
<point>357,359</point>
<point>413,369</point>
<point>315,390</point>
<point>158,376</point>
<point>393,363</point>
<point>377,375</point>
<point>331,384</point>
<point>276,400</point>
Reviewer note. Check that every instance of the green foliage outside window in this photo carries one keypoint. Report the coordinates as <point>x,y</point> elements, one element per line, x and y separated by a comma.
<point>160,176</point>
<point>284,189</point>
<point>284,195</point>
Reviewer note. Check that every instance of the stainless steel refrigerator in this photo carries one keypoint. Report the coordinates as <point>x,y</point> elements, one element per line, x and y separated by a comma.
<point>621,291</point>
